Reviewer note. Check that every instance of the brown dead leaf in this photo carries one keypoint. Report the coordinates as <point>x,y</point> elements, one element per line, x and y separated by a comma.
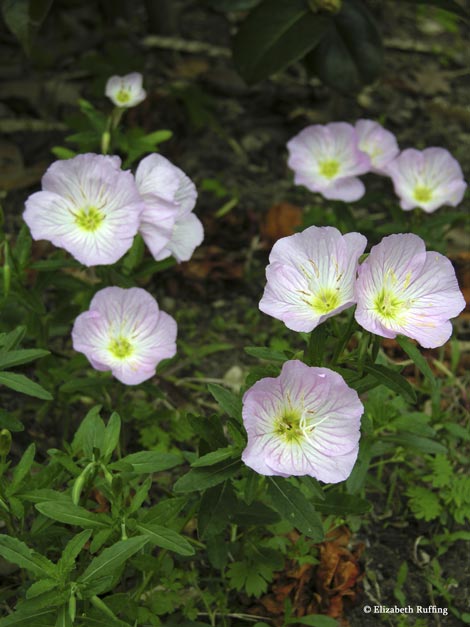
<point>281,221</point>
<point>322,589</point>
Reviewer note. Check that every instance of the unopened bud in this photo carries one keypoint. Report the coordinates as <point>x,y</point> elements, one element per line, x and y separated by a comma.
<point>5,442</point>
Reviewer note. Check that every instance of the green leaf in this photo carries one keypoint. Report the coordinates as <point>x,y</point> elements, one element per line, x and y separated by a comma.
<point>166,538</point>
<point>229,402</point>
<point>274,35</point>
<point>424,503</point>
<point>294,507</point>
<point>164,511</point>
<point>147,462</point>
<point>262,352</point>
<point>17,552</point>
<point>111,435</point>
<point>254,514</point>
<point>12,339</point>
<point>41,586</point>
<point>415,354</point>
<point>393,380</point>
<point>29,618</point>
<point>20,383</point>
<point>72,550</point>
<point>341,504</point>
<point>90,433</point>
<point>73,515</point>
<point>44,495</point>
<point>203,478</point>
<point>16,358</point>
<point>214,457</point>
<point>417,442</point>
<point>22,469</point>
<point>101,568</point>
<point>216,508</point>
<point>350,54</point>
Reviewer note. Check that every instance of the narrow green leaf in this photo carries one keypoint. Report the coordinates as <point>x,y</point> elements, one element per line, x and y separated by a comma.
<point>203,478</point>
<point>111,435</point>
<point>412,351</point>
<point>44,495</point>
<point>417,442</point>
<point>216,509</point>
<point>41,586</point>
<point>229,402</point>
<point>147,462</point>
<point>262,352</point>
<point>294,507</point>
<point>12,339</point>
<point>166,538</point>
<point>16,358</point>
<point>393,380</point>
<point>214,457</point>
<point>342,504</point>
<point>72,550</point>
<point>29,618</point>
<point>74,515</point>
<point>90,433</point>
<point>20,383</point>
<point>22,469</point>
<point>111,558</point>
<point>17,552</point>
<point>164,511</point>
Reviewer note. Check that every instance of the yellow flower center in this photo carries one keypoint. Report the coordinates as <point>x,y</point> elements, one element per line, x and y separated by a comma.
<point>120,347</point>
<point>89,219</point>
<point>123,96</point>
<point>288,426</point>
<point>329,168</point>
<point>388,305</point>
<point>422,193</point>
<point>325,300</point>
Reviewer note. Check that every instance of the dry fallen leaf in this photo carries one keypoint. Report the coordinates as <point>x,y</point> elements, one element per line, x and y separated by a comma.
<point>280,221</point>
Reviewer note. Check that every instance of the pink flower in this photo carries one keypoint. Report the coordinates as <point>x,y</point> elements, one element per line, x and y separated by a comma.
<point>126,91</point>
<point>168,225</point>
<point>326,159</point>
<point>125,332</point>
<point>427,179</point>
<point>403,289</point>
<point>304,422</point>
<point>311,276</point>
<point>378,143</point>
<point>88,206</point>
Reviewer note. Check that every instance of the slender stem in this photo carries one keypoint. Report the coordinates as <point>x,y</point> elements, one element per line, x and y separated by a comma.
<point>344,339</point>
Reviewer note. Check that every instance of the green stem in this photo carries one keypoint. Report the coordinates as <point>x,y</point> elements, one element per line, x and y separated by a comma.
<point>344,339</point>
<point>316,345</point>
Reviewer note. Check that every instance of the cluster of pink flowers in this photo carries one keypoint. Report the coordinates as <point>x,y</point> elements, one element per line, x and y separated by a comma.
<point>307,420</point>
<point>399,289</point>
<point>329,158</point>
<point>93,209</point>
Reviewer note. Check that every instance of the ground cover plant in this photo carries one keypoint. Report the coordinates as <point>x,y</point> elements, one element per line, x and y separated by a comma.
<point>231,361</point>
